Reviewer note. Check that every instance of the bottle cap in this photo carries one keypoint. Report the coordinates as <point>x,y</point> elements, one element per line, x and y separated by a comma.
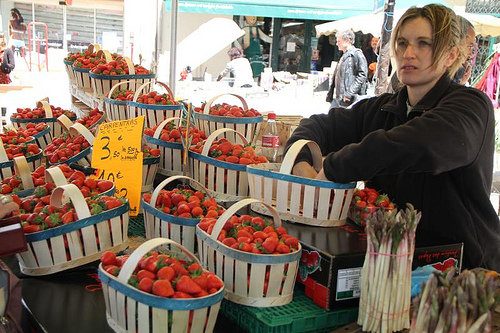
<point>271,115</point>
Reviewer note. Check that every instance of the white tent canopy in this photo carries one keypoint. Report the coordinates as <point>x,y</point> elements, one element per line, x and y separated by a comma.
<point>372,23</point>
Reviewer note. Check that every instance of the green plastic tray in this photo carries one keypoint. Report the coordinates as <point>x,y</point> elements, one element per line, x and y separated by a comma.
<point>136,226</point>
<point>299,316</point>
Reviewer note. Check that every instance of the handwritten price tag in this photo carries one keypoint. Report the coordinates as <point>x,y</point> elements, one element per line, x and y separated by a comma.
<point>117,154</point>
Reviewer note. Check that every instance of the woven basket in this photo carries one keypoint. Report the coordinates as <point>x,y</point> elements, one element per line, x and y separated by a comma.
<point>160,224</point>
<point>149,169</point>
<point>22,169</point>
<point>225,181</point>
<point>69,70</point>
<point>131,310</point>
<point>84,157</point>
<point>56,176</point>
<point>87,238</point>
<point>154,114</point>
<point>244,273</point>
<point>298,199</point>
<point>171,152</point>
<point>82,78</point>
<point>248,126</point>
<point>54,125</point>
<point>7,167</point>
<point>102,84</point>
<point>43,138</point>
<point>116,109</point>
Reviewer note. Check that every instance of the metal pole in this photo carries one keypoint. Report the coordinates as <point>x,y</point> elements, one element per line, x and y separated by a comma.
<point>173,45</point>
<point>384,58</point>
<point>95,26</point>
<point>65,30</point>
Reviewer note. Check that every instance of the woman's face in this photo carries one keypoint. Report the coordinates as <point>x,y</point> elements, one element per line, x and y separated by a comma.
<point>414,55</point>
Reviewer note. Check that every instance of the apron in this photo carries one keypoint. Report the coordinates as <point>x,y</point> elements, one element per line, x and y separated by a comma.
<point>254,55</point>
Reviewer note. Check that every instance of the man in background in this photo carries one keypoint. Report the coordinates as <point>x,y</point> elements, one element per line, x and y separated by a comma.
<point>349,77</point>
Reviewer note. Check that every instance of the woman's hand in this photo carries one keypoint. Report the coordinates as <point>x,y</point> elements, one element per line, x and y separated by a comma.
<point>321,175</point>
<point>304,169</point>
<point>7,206</point>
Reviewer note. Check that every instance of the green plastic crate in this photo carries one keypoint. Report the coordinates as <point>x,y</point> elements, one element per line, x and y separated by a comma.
<point>299,316</point>
<point>136,226</point>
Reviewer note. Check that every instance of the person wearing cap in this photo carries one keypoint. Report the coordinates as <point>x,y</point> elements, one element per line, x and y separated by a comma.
<point>240,67</point>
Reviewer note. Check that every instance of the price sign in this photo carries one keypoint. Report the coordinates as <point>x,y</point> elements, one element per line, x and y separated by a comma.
<point>117,154</point>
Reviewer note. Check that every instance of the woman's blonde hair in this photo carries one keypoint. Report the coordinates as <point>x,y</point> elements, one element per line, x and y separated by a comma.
<point>446,32</point>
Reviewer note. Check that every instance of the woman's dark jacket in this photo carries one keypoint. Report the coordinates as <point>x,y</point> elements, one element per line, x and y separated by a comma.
<point>439,158</point>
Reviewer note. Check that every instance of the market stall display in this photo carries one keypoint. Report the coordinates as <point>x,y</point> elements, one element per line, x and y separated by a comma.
<point>298,199</point>
<point>174,214</point>
<point>134,310</point>
<point>260,279</point>
<point>246,121</point>
<point>93,230</point>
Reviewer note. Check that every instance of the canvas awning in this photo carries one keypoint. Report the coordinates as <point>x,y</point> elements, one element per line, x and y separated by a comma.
<point>292,9</point>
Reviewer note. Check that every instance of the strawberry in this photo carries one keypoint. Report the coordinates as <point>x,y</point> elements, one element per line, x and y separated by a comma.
<point>187,285</point>
<point>163,288</point>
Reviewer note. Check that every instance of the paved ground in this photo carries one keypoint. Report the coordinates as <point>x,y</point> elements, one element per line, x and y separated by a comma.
<point>37,84</point>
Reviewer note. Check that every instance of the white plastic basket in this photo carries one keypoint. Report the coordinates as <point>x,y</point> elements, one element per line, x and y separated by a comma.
<point>171,152</point>
<point>248,126</point>
<point>244,273</point>
<point>160,224</point>
<point>225,181</point>
<point>130,310</point>
<point>87,238</point>
<point>154,114</point>
<point>298,199</point>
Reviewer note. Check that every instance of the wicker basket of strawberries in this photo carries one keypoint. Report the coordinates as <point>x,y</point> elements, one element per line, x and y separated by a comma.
<point>116,100</point>
<point>174,213</point>
<point>43,113</point>
<point>155,106</point>
<point>63,235</point>
<point>105,76</point>
<point>257,259</point>
<point>151,291</point>
<point>211,117</point>
<point>220,165</point>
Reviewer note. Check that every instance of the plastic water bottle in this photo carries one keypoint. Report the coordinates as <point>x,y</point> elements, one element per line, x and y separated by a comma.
<point>271,140</point>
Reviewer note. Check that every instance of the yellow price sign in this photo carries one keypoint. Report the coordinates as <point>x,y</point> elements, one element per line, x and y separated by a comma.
<point>117,154</point>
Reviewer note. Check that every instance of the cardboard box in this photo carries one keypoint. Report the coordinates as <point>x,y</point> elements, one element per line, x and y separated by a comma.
<point>332,259</point>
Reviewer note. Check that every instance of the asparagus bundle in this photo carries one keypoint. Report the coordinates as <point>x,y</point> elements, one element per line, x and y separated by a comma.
<point>386,274</point>
<point>456,304</point>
